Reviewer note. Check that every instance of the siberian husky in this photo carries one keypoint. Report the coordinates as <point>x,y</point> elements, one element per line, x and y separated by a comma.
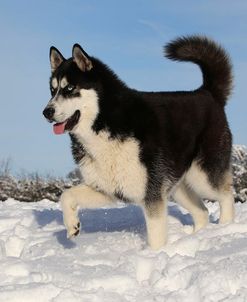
<point>141,147</point>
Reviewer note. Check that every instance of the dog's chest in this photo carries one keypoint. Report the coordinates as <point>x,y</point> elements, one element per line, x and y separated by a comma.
<point>114,167</point>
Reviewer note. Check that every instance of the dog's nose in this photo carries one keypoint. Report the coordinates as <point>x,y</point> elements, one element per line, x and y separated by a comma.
<point>49,112</point>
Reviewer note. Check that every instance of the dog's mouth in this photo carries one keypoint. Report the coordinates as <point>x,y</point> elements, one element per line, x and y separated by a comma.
<point>68,125</point>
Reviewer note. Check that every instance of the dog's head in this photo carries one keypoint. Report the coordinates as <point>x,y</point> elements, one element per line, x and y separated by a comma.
<point>73,90</point>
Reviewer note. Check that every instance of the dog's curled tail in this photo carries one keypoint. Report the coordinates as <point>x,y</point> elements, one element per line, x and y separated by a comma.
<point>212,59</point>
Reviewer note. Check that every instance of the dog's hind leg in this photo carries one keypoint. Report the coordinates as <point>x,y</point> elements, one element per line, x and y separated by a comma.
<point>79,196</point>
<point>226,200</point>
<point>188,199</point>
<point>201,183</point>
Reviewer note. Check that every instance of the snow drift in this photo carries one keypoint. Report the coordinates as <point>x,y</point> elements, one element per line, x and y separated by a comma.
<point>110,262</point>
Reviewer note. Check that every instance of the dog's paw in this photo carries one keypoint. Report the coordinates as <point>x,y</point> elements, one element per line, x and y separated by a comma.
<point>73,230</point>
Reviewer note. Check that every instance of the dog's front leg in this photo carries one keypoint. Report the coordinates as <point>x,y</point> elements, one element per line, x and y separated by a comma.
<point>79,196</point>
<point>156,223</point>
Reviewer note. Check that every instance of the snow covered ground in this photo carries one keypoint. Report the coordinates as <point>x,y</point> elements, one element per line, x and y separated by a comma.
<point>110,261</point>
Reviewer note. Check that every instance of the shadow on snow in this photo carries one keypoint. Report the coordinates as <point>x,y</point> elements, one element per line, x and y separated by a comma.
<point>128,219</point>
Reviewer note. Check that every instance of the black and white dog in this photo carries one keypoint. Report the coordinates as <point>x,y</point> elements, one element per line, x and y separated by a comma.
<point>142,147</point>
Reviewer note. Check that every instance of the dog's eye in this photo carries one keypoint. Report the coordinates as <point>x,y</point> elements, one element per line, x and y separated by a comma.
<point>70,87</point>
<point>52,90</point>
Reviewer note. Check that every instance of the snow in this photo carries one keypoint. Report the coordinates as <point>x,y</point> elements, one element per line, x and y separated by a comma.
<point>110,260</point>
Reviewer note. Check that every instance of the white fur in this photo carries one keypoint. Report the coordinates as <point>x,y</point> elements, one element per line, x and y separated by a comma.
<point>156,223</point>
<point>65,108</point>
<point>114,166</point>
<point>197,179</point>
<point>84,197</point>
<point>54,83</point>
<point>226,201</point>
<point>193,203</point>
<point>87,103</point>
<point>63,82</point>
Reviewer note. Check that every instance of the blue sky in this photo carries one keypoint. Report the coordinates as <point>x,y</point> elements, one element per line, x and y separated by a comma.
<point>128,36</point>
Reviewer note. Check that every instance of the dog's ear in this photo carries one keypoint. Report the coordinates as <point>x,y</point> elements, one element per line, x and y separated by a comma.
<point>56,58</point>
<point>81,58</point>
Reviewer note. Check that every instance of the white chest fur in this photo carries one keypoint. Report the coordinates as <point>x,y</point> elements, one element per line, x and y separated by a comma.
<point>114,166</point>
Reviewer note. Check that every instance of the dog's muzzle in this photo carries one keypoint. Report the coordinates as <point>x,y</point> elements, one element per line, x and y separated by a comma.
<point>49,113</point>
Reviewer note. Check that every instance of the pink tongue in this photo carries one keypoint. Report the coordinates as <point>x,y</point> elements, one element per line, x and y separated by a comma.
<point>59,128</point>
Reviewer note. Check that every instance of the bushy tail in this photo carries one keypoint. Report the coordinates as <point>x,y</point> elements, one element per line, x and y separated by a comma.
<point>212,59</point>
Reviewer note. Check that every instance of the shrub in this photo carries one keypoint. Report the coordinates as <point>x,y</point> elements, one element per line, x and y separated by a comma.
<point>33,187</point>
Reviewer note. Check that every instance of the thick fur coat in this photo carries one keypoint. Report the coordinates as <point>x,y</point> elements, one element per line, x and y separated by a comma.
<point>142,147</point>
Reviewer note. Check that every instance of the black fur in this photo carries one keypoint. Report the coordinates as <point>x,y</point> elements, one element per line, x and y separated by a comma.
<point>119,195</point>
<point>212,59</point>
<point>78,151</point>
<point>173,128</point>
